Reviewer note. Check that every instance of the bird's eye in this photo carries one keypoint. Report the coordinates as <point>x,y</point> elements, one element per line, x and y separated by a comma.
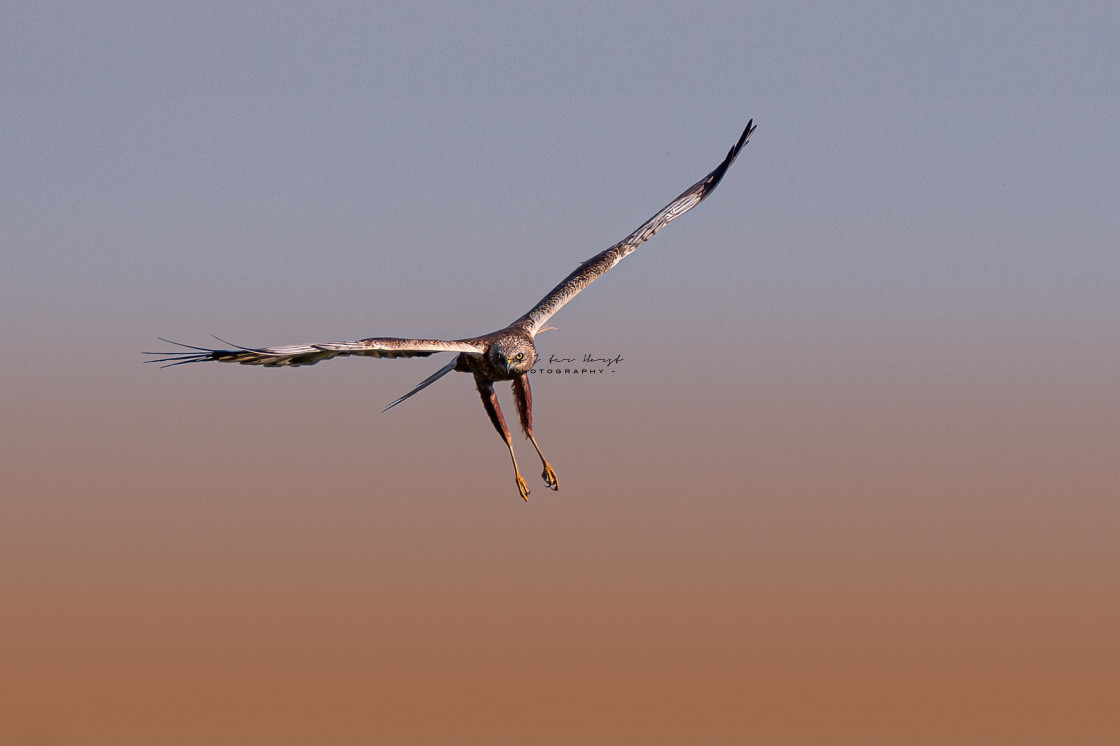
<point>519,356</point>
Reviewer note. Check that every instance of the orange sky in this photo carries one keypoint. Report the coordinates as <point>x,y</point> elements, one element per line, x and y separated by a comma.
<point>791,573</point>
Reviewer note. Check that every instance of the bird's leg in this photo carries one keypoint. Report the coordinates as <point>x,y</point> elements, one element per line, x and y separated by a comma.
<point>490,402</point>
<point>524,398</point>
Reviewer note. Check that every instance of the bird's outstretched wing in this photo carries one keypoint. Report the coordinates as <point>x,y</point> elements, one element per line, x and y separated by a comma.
<point>309,354</point>
<point>589,271</point>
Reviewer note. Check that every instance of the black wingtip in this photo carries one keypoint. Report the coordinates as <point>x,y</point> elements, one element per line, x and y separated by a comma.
<point>240,347</point>
<point>201,354</point>
<point>716,176</point>
<point>743,139</point>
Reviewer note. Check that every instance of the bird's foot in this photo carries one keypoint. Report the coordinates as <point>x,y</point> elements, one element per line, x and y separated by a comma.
<point>522,488</point>
<point>549,477</point>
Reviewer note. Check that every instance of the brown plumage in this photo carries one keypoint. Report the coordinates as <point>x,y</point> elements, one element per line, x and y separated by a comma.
<point>505,355</point>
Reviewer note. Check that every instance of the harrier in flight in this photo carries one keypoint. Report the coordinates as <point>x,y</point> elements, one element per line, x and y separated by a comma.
<point>505,355</point>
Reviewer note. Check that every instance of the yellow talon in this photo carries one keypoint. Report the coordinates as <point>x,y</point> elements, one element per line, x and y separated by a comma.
<point>549,477</point>
<point>522,488</point>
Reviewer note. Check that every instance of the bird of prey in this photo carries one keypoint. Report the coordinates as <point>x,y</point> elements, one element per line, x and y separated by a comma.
<point>505,355</point>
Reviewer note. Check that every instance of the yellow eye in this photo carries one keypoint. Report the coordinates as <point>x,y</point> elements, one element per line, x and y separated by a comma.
<point>519,356</point>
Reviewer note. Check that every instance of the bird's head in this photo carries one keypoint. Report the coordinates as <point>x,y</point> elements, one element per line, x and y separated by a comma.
<point>513,355</point>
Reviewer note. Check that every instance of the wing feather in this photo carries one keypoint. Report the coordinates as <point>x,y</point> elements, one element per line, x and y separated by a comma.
<point>593,268</point>
<point>309,354</point>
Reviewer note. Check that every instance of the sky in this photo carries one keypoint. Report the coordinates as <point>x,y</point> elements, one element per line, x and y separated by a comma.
<point>851,479</point>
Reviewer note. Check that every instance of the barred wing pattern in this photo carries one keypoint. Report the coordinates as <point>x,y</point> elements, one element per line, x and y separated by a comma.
<point>309,354</point>
<point>590,270</point>
<point>507,354</point>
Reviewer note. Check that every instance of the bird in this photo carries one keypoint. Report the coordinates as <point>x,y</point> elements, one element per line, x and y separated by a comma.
<point>507,354</point>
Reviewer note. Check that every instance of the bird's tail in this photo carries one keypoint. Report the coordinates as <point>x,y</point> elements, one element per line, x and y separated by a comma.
<point>425,383</point>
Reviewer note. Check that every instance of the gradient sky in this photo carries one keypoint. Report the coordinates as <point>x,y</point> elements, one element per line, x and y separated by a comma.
<point>854,480</point>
